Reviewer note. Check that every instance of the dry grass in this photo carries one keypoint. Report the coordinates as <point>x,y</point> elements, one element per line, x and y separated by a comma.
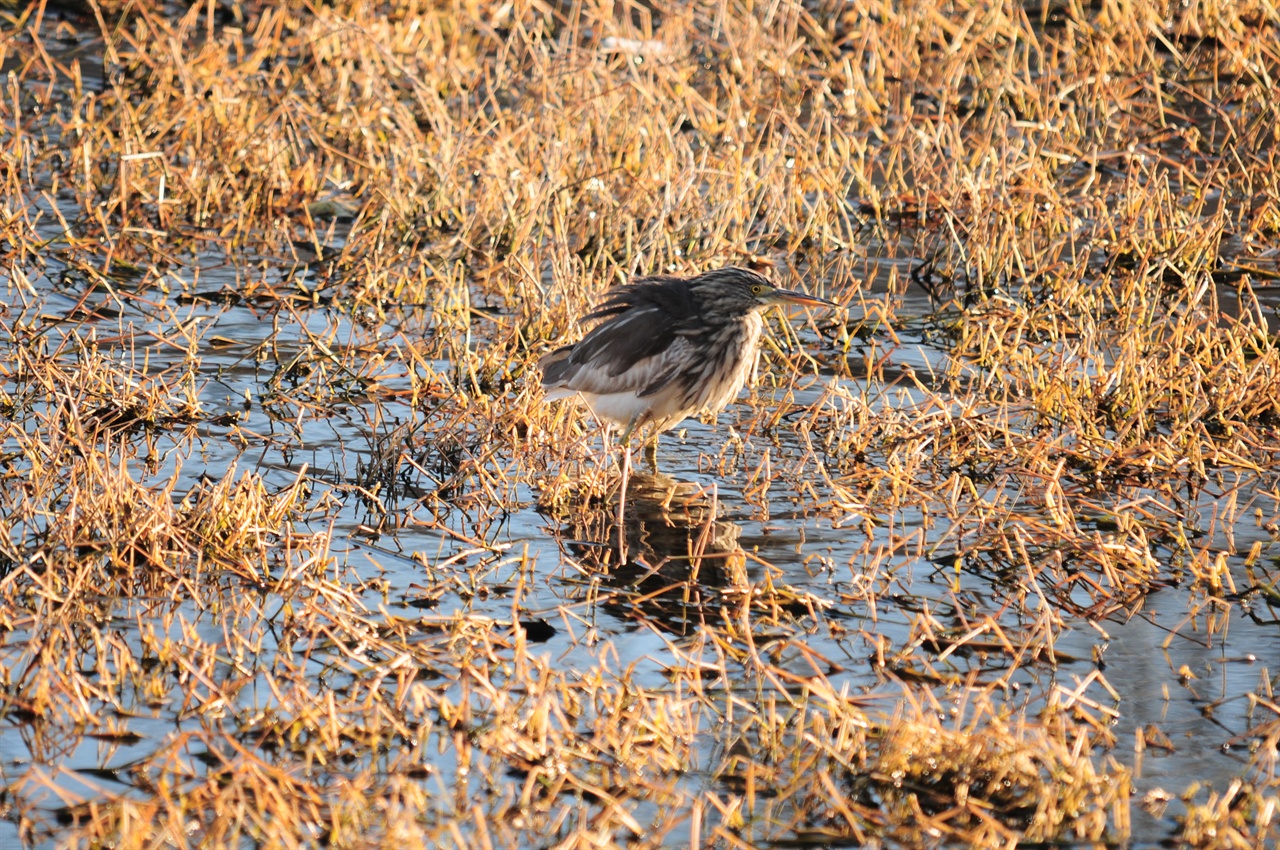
<point>401,205</point>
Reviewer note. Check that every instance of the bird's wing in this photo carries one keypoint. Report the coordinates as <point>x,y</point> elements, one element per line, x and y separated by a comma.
<point>616,349</point>
<point>671,295</point>
<point>643,320</point>
<point>639,347</point>
<point>622,356</point>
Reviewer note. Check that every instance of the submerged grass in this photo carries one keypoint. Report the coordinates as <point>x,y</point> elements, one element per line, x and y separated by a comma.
<point>402,205</point>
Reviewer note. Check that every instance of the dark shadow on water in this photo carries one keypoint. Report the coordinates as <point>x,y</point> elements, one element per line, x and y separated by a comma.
<point>677,556</point>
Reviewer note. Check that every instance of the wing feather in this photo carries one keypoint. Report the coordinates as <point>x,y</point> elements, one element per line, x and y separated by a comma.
<point>638,348</point>
<point>645,376</point>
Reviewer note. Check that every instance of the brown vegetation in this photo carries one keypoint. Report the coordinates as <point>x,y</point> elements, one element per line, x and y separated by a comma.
<point>277,276</point>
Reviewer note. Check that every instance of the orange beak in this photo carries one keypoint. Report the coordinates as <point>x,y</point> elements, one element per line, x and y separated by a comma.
<point>791,296</point>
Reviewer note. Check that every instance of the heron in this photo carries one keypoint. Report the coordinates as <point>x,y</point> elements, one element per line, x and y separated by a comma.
<point>667,348</point>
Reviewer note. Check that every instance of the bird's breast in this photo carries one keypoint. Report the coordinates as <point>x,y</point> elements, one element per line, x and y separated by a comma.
<point>731,357</point>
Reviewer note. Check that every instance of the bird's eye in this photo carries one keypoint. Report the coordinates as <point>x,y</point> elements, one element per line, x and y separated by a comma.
<point>757,289</point>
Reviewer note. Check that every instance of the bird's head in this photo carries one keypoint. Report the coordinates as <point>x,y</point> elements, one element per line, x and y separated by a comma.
<point>739,292</point>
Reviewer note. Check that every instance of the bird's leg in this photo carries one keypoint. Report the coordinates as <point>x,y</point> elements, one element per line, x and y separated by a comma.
<point>622,504</point>
<point>622,495</point>
<point>631,426</point>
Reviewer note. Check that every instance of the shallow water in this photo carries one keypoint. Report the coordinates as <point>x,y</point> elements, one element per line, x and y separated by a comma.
<point>1192,677</point>
<point>644,608</point>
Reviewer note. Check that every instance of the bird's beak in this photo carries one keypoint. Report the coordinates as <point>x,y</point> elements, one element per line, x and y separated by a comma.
<point>790,296</point>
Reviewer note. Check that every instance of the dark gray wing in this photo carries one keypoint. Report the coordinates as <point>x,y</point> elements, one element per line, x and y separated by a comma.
<point>643,319</point>
<point>632,349</point>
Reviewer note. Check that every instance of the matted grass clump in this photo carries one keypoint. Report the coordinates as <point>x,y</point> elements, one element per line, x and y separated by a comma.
<point>993,779</point>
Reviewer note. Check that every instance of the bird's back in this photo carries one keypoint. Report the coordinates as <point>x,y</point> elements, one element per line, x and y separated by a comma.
<point>642,320</point>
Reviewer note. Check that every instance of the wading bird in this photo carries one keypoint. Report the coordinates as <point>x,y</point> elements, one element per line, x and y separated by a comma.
<point>668,348</point>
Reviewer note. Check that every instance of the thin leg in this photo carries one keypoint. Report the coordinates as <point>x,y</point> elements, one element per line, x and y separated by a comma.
<point>631,426</point>
<point>622,503</point>
<point>622,494</point>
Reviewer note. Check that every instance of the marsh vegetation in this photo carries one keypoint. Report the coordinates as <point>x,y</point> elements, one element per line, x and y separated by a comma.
<point>295,554</point>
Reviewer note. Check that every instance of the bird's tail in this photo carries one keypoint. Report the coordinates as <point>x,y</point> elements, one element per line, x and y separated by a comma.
<point>555,367</point>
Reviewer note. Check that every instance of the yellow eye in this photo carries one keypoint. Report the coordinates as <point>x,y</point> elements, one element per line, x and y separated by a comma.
<point>757,289</point>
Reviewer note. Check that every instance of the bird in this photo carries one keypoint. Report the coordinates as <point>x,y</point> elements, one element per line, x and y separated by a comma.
<point>668,347</point>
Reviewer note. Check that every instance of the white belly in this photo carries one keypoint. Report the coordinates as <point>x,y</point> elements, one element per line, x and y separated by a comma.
<point>621,408</point>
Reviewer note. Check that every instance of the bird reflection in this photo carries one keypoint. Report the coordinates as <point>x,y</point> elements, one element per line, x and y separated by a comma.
<point>676,558</point>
